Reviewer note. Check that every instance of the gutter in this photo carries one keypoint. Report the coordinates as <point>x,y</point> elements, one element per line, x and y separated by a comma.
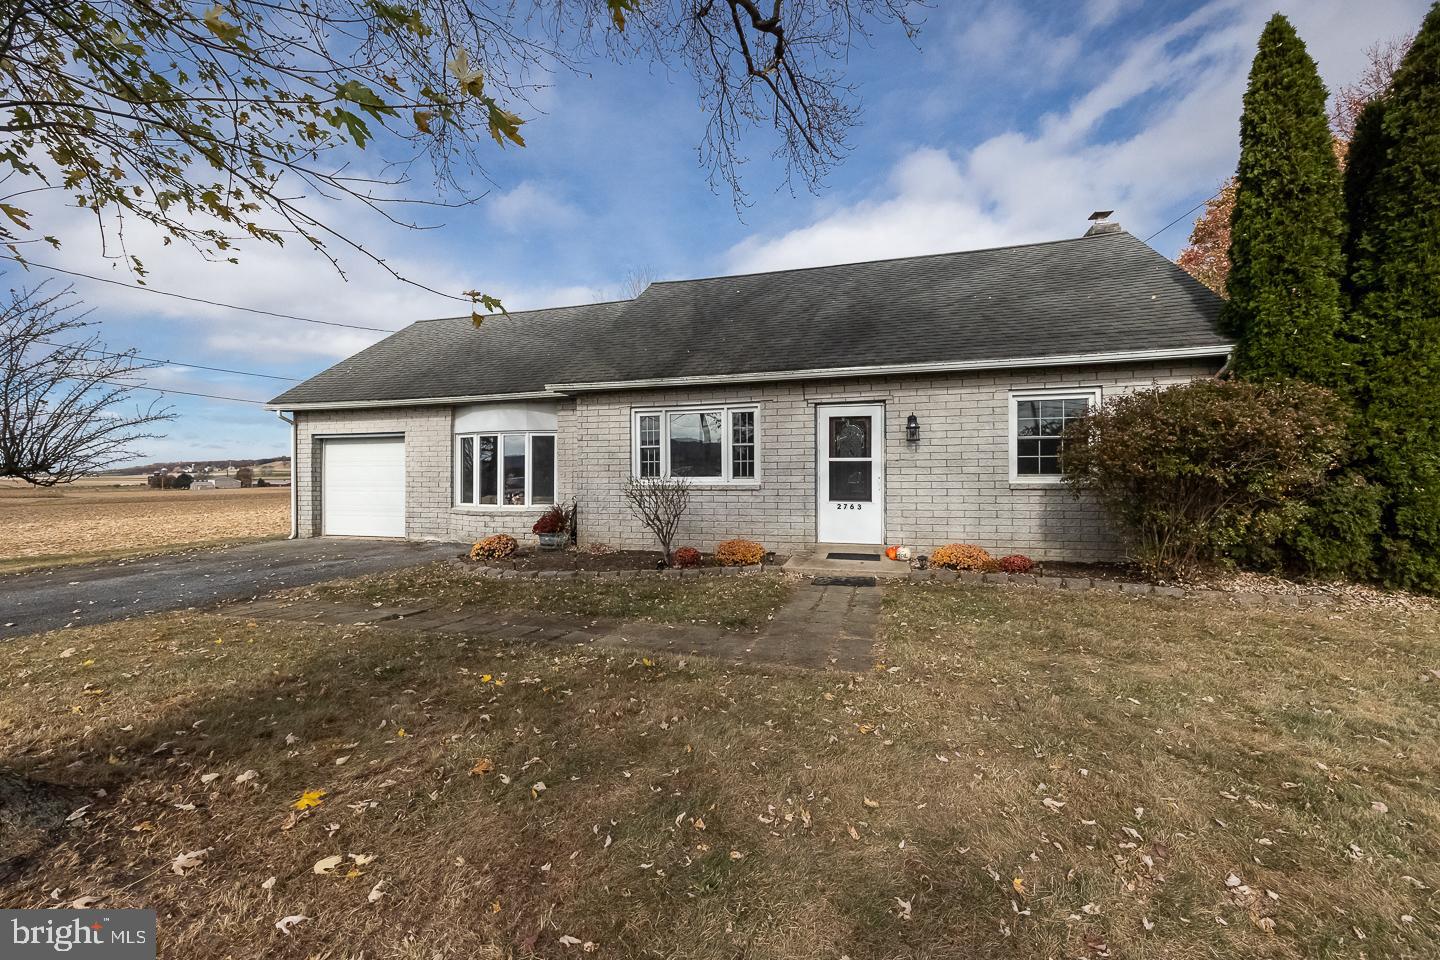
<point>294,478</point>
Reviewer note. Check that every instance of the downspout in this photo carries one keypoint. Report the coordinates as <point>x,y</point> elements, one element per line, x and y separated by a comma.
<point>294,478</point>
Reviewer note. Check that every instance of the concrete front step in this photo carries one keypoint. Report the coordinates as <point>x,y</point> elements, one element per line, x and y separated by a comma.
<point>817,562</point>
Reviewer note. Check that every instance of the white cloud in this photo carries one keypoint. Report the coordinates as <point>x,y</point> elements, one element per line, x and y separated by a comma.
<point>531,206</point>
<point>1183,84</point>
<point>1002,38</point>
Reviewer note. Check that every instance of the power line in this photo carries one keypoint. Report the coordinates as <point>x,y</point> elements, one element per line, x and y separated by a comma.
<point>178,363</point>
<point>187,393</point>
<point>1178,219</point>
<point>181,296</point>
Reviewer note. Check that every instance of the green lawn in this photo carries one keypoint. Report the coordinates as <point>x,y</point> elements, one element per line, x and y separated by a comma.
<point>1024,774</point>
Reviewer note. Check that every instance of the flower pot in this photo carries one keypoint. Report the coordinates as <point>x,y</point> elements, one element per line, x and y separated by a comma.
<point>551,541</point>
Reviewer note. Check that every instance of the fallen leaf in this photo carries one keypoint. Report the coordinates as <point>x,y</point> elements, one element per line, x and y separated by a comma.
<point>872,804</point>
<point>481,768</point>
<point>1019,884</point>
<point>570,941</point>
<point>187,861</point>
<point>537,788</point>
<point>362,859</point>
<point>88,903</point>
<point>268,884</point>
<point>375,892</point>
<point>328,864</point>
<point>309,799</point>
<point>247,776</point>
<point>285,923</point>
<point>209,777</point>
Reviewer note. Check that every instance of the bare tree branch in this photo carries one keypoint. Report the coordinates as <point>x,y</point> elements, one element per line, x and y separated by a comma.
<point>61,413</point>
<point>659,503</point>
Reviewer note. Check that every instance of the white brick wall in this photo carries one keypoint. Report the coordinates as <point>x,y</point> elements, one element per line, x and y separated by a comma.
<point>951,485</point>
<point>430,513</point>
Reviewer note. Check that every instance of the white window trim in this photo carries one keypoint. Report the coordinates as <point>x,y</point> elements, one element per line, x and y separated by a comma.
<point>1092,394</point>
<point>529,503</point>
<point>726,452</point>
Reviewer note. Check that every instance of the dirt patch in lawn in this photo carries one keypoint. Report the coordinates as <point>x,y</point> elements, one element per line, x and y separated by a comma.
<point>54,527</point>
<point>1026,775</point>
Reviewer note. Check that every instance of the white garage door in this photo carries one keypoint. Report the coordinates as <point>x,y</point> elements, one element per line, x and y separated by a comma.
<point>363,484</point>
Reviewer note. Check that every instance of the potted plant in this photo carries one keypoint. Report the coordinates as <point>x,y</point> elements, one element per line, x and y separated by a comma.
<point>553,528</point>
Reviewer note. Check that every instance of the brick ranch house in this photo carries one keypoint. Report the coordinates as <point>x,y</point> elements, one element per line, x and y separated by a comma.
<point>909,401</point>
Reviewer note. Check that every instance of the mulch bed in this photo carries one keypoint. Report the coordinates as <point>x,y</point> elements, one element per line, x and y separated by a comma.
<point>580,560</point>
<point>1122,572</point>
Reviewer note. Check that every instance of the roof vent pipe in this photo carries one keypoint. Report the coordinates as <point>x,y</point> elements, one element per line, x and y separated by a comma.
<point>1100,224</point>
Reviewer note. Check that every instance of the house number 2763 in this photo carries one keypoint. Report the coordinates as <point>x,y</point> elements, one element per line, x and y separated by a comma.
<point>849,506</point>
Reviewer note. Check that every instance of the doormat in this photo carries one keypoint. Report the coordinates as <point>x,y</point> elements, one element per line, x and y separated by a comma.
<point>852,556</point>
<point>844,581</point>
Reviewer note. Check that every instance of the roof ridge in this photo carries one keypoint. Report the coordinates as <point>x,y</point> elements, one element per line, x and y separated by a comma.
<point>917,256</point>
<point>513,313</point>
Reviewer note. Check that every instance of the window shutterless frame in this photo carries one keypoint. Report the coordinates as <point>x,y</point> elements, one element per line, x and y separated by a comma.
<point>650,442</point>
<point>1090,395</point>
<point>474,479</point>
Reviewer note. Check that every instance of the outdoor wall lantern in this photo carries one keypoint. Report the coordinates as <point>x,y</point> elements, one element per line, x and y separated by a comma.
<point>912,428</point>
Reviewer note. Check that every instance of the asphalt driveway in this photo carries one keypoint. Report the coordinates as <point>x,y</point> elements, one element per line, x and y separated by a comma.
<point>121,589</point>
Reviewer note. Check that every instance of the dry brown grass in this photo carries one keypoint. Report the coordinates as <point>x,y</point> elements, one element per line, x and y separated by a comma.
<point>52,527</point>
<point>694,811</point>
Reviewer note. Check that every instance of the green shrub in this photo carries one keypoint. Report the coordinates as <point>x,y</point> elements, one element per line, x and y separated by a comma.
<point>1393,193</point>
<point>1195,472</point>
<point>1287,226</point>
<point>1335,535</point>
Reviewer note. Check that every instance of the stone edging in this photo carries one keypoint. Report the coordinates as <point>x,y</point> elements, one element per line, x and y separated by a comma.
<point>1074,584</point>
<point>1126,587</point>
<point>510,573</point>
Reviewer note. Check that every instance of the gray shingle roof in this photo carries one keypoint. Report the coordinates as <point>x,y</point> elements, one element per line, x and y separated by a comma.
<point>1102,294</point>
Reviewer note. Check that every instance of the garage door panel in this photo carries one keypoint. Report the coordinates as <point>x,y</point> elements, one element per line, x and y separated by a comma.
<point>363,487</point>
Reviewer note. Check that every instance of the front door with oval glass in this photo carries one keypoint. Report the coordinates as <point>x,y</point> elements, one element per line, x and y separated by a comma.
<point>850,481</point>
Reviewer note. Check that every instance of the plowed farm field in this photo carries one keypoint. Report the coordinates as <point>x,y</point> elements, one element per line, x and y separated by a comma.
<point>52,527</point>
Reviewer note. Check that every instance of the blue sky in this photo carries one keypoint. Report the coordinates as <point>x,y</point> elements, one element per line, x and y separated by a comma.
<point>1001,123</point>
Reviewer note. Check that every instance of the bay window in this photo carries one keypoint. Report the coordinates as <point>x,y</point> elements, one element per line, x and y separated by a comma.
<point>702,444</point>
<point>505,469</point>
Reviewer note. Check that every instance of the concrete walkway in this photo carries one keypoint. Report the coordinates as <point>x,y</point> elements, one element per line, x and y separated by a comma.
<point>825,623</point>
<point>120,589</point>
<point>819,628</point>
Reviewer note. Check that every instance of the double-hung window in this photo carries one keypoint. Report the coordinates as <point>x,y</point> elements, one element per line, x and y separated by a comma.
<point>705,444</point>
<point>505,469</point>
<point>1037,423</point>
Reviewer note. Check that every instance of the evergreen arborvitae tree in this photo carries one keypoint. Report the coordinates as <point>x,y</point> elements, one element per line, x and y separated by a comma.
<point>1288,226</point>
<point>1394,281</point>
